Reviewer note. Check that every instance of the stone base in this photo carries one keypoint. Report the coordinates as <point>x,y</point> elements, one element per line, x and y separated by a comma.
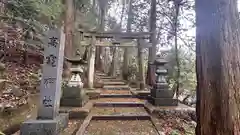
<point>73,102</point>
<point>45,127</point>
<point>162,93</point>
<point>72,92</point>
<point>164,101</point>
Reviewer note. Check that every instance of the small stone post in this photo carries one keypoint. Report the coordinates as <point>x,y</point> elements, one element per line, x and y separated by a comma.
<point>49,121</point>
<point>160,93</point>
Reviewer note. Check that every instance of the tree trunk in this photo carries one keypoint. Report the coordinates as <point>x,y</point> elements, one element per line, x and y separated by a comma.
<point>177,6</point>
<point>126,50</point>
<point>217,66</point>
<point>152,51</point>
<point>69,30</point>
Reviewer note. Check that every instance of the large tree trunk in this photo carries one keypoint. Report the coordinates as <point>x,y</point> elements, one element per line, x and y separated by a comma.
<point>126,50</point>
<point>177,6</point>
<point>218,71</point>
<point>69,31</point>
<point>152,51</point>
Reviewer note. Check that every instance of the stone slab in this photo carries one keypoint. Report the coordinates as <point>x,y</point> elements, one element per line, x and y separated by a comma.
<point>75,112</point>
<point>114,83</point>
<point>159,93</point>
<point>116,96</point>
<point>141,93</point>
<point>118,87</point>
<point>164,101</point>
<point>73,102</point>
<point>111,80</point>
<point>45,127</point>
<point>140,116</point>
<point>93,94</point>
<point>108,77</point>
<point>118,104</point>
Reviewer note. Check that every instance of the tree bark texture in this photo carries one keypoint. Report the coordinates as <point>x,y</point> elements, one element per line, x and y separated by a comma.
<point>126,50</point>
<point>150,80</point>
<point>177,6</point>
<point>69,31</point>
<point>218,67</point>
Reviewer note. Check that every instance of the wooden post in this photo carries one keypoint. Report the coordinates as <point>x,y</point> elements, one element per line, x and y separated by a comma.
<point>141,65</point>
<point>91,63</point>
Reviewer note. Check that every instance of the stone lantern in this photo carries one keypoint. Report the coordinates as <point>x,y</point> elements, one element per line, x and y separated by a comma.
<point>73,93</point>
<point>160,93</point>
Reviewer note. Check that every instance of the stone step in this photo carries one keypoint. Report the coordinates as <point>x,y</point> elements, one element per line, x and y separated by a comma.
<point>101,74</point>
<point>116,87</point>
<point>107,77</point>
<point>114,83</point>
<point>118,104</point>
<point>112,80</point>
<point>116,96</point>
<point>138,116</point>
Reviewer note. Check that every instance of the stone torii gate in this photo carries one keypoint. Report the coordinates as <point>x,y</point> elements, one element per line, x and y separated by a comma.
<point>94,42</point>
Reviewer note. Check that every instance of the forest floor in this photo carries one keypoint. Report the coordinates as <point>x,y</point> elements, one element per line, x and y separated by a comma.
<point>18,96</point>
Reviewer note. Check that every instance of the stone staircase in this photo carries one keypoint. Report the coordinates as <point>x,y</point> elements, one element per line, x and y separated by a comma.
<point>116,103</point>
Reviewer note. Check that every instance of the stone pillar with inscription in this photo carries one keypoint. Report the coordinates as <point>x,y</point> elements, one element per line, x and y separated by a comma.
<point>73,93</point>
<point>49,121</point>
<point>160,93</point>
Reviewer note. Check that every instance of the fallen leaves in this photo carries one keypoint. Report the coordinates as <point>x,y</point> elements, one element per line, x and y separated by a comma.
<point>23,82</point>
<point>118,110</point>
<point>173,122</point>
<point>120,127</point>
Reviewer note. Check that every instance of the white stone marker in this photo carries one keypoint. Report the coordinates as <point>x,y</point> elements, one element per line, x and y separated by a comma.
<point>50,89</point>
